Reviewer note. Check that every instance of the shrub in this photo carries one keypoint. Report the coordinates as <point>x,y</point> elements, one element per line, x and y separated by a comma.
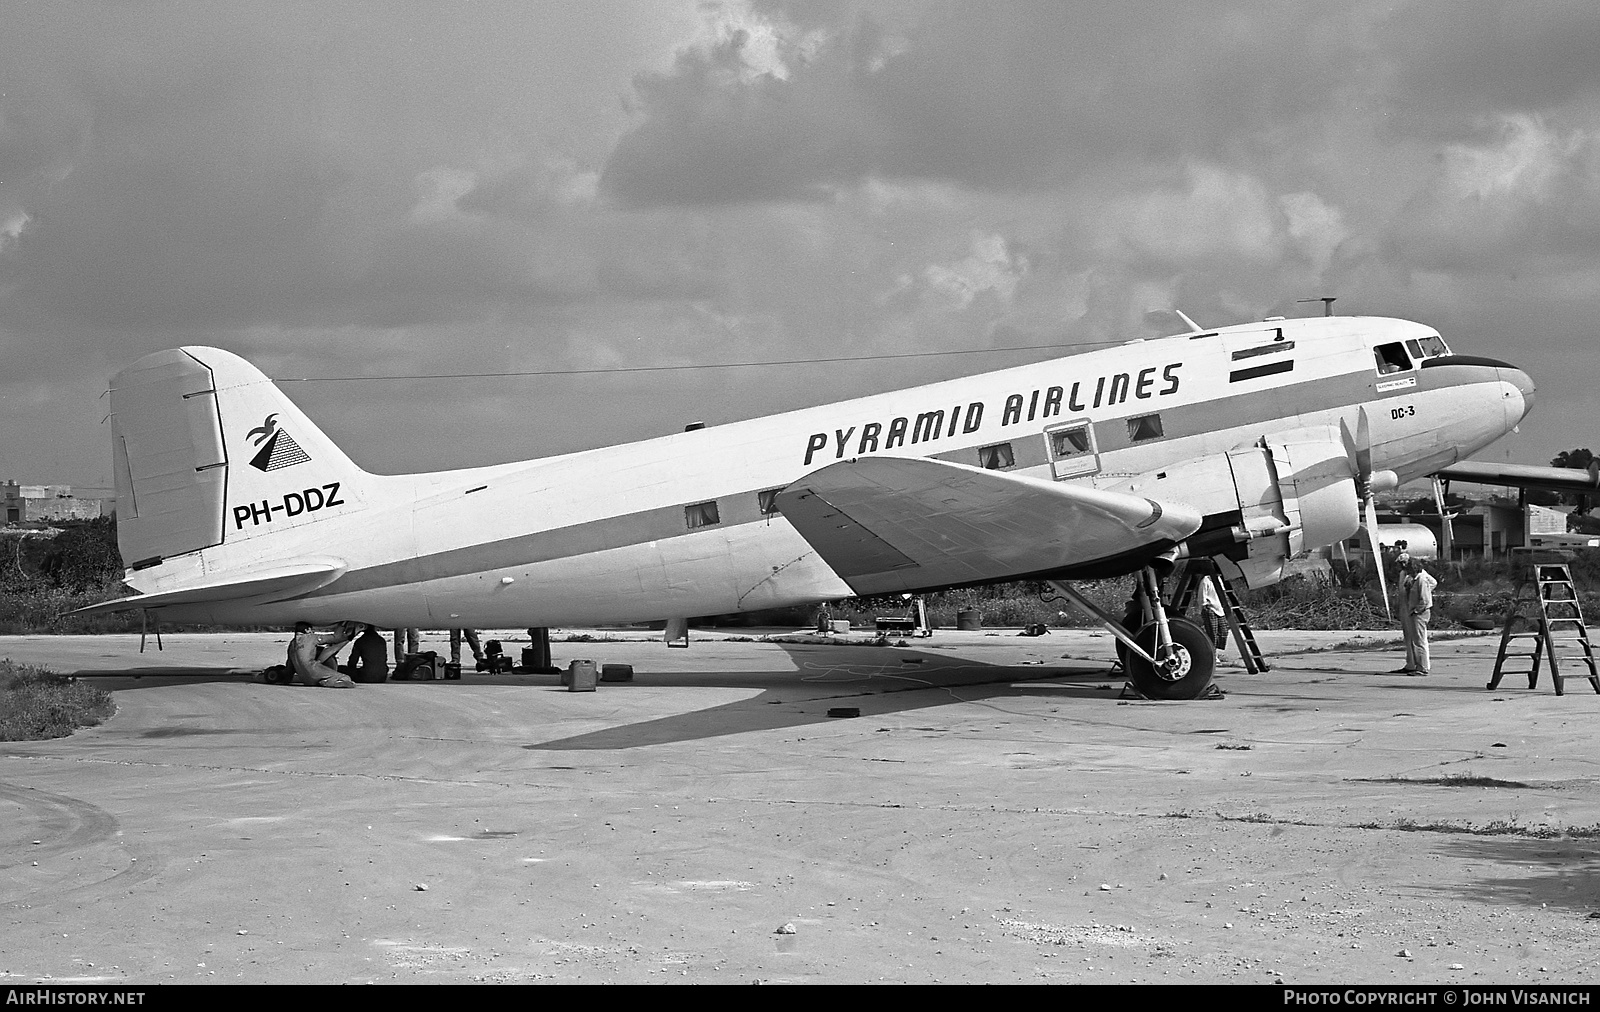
<point>36,704</point>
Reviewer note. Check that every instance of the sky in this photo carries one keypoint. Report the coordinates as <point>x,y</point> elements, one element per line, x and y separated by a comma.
<point>340,190</point>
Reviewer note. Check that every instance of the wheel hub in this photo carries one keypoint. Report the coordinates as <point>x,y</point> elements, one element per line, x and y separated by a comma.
<point>1175,666</point>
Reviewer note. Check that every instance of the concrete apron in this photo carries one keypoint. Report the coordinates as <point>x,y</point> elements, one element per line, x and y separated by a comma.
<point>995,814</point>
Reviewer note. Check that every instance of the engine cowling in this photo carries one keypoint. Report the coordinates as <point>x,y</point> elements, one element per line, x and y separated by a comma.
<point>1264,504</point>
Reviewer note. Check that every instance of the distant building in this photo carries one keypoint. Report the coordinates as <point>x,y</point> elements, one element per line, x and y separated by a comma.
<point>25,504</point>
<point>1489,528</point>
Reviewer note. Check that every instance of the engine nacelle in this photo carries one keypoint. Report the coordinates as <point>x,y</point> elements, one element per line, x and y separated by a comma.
<point>1264,504</point>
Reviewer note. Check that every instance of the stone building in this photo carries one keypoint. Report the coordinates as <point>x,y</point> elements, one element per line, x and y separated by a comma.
<point>43,503</point>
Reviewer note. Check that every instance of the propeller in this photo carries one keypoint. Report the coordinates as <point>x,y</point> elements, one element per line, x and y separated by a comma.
<point>1359,452</point>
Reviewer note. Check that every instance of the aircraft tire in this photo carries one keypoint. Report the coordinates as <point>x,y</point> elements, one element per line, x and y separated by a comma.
<point>1194,676</point>
<point>1130,622</point>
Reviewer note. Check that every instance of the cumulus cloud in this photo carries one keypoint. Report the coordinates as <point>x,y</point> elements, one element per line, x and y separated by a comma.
<point>523,186</point>
<point>989,268</point>
<point>1213,212</point>
<point>439,192</point>
<point>1021,100</point>
<point>1530,190</point>
<point>1316,228</point>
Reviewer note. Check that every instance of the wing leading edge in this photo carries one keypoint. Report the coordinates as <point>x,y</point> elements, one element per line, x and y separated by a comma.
<point>1554,479</point>
<point>892,524</point>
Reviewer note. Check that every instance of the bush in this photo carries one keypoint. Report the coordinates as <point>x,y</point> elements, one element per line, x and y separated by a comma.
<point>1004,605</point>
<point>84,555</point>
<point>36,704</point>
<point>1314,601</point>
<point>44,578</point>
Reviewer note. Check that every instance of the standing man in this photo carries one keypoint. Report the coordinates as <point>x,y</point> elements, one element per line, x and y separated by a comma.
<point>1416,609</point>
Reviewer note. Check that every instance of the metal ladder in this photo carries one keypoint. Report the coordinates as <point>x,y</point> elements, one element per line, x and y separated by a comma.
<point>1199,570</point>
<point>1558,612</point>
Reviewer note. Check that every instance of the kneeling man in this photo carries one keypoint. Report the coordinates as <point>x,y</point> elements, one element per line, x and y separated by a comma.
<point>315,656</point>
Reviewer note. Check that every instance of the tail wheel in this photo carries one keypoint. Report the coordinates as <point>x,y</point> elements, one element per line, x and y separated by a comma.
<point>1188,672</point>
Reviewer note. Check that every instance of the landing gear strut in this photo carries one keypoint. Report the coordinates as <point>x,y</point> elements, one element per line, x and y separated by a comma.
<point>1166,658</point>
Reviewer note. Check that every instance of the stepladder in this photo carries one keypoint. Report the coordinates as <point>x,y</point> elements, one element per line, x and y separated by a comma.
<point>1544,624</point>
<point>1190,590</point>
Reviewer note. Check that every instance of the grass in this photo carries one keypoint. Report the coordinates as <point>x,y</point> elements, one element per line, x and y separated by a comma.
<point>1498,827</point>
<point>36,704</point>
<point>1450,780</point>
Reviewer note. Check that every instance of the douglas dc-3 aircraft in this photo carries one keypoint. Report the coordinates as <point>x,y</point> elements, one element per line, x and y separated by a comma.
<point>1248,445</point>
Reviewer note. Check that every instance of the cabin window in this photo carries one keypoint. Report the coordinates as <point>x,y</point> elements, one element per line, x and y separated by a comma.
<point>769,502</point>
<point>1142,427</point>
<point>1072,449</point>
<point>997,457</point>
<point>1069,442</point>
<point>702,514</point>
<point>1391,358</point>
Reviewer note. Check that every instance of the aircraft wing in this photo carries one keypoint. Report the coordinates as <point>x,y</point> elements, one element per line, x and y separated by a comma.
<point>892,524</point>
<point>1555,479</point>
<point>280,582</point>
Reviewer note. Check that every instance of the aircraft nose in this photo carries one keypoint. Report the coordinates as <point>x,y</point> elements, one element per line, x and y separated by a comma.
<point>1524,384</point>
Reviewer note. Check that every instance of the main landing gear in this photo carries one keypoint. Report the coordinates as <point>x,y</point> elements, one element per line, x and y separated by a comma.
<point>1165,658</point>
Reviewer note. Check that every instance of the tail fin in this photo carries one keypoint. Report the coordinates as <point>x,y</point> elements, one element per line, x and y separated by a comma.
<point>208,451</point>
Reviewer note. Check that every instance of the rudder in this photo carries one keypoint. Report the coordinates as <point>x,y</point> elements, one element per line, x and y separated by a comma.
<point>209,451</point>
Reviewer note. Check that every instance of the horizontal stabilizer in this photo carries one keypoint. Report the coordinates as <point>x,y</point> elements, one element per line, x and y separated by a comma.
<point>1554,479</point>
<point>282,582</point>
<point>891,524</point>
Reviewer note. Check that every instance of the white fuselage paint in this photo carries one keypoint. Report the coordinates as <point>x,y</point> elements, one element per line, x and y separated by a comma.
<point>601,536</point>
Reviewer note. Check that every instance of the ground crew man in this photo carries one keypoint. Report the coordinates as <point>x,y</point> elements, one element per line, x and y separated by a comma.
<point>314,656</point>
<point>369,657</point>
<point>1416,609</point>
<point>471,636</point>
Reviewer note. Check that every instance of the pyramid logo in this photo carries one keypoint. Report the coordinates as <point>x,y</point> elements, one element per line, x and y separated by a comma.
<point>278,448</point>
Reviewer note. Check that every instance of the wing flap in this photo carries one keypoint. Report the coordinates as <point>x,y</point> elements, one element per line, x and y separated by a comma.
<point>890,524</point>
<point>282,582</point>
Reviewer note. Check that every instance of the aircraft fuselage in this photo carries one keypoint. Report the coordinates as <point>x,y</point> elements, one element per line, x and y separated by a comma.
<point>680,525</point>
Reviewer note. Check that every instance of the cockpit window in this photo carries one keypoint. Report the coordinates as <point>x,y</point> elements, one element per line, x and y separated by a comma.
<point>1433,346</point>
<point>1391,358</point>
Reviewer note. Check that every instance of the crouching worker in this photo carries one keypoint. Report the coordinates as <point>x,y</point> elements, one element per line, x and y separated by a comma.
<point>314,656</point>
<point>369,657</point>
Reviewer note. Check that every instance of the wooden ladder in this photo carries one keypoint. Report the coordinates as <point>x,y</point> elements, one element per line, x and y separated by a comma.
<point>1530,633</point>
<point>1199,570</point>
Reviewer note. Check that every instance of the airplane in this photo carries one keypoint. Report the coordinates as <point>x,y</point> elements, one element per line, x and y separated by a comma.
<point>1247,445</point>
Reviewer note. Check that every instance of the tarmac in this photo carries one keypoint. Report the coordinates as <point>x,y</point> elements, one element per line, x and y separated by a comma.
<point>997,813</point>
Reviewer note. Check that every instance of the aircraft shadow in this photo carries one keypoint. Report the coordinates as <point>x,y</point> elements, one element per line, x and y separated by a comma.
<point>151,678</point>
<point>1559,873</point>
<point>869,679</point>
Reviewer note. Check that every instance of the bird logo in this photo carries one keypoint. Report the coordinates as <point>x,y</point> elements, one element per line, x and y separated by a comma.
<point>264,430</point>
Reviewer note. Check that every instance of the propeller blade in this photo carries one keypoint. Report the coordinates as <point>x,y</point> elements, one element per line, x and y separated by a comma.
<point>1364,446</point>
<point>1377,554</point>
<point>1349,441</point>
<point>1446,531</point>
